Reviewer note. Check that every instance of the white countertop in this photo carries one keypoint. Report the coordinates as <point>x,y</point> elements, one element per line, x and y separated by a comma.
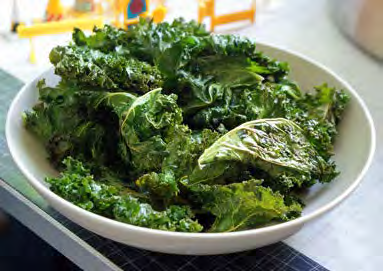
<point>349,238</point>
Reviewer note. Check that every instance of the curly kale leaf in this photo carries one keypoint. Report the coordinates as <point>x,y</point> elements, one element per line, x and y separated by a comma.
<point>163,184</point>
<point>145,126</point>
<point>78,186</point>
<point>111,72</point>
<point>117,102</point>
<point>182,154</point>
<point>107,39</point>
<point>66,126</point>
<point>241,206</point>
<point>185,147</point>
<point>319,114</point>
<point>188,52</point>
<point>45,118</point>
<point>231,106</point>
<point>145,41</point>
<point>149,41</point>
<point>275,146</point>
<point>233,71</point>
<point>174,218</point>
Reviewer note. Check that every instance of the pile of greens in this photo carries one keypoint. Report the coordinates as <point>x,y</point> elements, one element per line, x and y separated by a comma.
<point>169,127</point>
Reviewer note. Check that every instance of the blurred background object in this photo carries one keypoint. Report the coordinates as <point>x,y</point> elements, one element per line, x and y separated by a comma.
<point>36,20</point>
<point>84,14</point>
<point>84,5</point>
<point>362,21</point>
<point>12,12</point>
<point>206,8</point>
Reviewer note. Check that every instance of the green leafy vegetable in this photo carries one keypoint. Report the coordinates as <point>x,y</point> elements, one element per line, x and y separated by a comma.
<point>146,125</point>
<point>183,151</point>
<point>67,127</point>
<point>109,71</point>
<point>77,185</point>
<point>245,205</point>
<point>276,146</point>
<point>165,121</point>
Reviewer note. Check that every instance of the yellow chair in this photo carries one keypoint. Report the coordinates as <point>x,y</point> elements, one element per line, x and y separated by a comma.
<point>50,28</point>
<point>206,8</point>
<point>55,25</point>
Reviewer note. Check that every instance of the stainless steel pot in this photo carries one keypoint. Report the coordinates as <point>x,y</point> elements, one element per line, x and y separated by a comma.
<point>362,21</point>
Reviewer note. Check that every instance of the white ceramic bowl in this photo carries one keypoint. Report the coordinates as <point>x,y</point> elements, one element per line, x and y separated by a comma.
<point>353,154</point>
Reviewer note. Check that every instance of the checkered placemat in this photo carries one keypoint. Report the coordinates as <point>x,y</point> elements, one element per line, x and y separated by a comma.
<point>275,257</point>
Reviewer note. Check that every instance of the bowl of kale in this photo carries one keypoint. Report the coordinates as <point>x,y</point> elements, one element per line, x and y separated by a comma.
<point>169,138</point>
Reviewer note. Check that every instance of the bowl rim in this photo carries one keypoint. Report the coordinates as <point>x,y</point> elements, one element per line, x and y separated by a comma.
<point>51,196</point>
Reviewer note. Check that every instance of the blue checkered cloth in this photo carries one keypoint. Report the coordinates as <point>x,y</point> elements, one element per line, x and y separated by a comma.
<point>278,257</point>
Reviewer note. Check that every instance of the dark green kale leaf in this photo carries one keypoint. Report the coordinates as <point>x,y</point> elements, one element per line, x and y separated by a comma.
<point>195,92</point>
<point>232,71</point>
<point>111,71</point>
<point>107,39</point>
<point>56,110</point>
<point>275,146</point>
<point>174,218</point>
<point>162,185</point>
<point>320,112</point>
<point>145,127</point>
<point>183,151</point>
<point>233,106</point>
<point>55,118</point>
<point>149,41</point>
<point>241,206</point>
<point>187,54</point>
<point>117,102</point>
<point>145,41</point>
<point>69,121</point>
<point>78,186</point>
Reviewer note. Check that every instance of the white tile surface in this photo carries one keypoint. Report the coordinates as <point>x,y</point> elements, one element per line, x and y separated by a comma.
<point>350,237</point>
